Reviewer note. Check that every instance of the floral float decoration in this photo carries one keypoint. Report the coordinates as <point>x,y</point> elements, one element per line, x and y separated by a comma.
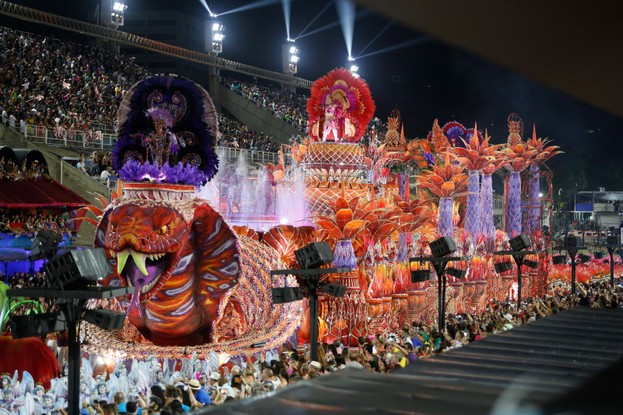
<point>445,181</point>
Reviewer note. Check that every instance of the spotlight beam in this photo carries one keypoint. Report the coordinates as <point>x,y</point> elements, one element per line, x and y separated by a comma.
<point>286,6</point>
<point>251,6</point>
<point>324,9</point>
<point>346,14</point>
<point>405,44</point>
<point>205,4</point>
<point>374,38</point>
<point>328,26</point>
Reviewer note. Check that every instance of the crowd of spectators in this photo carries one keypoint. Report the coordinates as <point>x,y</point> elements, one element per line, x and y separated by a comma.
<point>9,170</point>
<point>20,222</point>
<point>234,134</point>
<point>47,82</point>
<point>289,107</point>
<point>179,392</point>
<point>23,279</point>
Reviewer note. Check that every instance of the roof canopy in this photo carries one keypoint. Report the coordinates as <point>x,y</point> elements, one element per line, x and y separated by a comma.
<point>37,193</point>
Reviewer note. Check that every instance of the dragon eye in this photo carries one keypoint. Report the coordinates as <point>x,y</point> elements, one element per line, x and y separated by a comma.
<point>163,230</point>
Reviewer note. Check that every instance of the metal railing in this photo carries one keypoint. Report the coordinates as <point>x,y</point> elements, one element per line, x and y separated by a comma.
<point>40,17</point>
<point>97,140</point>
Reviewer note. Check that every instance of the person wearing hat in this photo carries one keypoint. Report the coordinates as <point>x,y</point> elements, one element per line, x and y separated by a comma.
<point>213,385</point>
<point>200,393</point>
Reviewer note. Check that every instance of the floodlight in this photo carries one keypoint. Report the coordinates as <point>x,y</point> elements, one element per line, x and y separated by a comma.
<point>294,59</point>
<point>501,267</point>
<point>335,290</point>
<point>77,269</point>
<point>216,27</point>
<point>293,50</point>
<point>314,255</point>
<point>442,246</point>
<point>218,37</point>
<point>520,242</point>
<point>286,294</point>
<point>351,59</point>
<point>119,6</point>
<point>105,319</point>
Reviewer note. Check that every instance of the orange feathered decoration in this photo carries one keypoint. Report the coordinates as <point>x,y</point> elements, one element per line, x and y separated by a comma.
<point>350,95</point>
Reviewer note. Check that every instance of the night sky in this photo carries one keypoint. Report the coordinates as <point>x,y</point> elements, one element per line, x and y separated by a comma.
<point>425,81</point>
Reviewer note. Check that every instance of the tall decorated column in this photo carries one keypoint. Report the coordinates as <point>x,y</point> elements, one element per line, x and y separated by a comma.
<point>519,156</point>
<point>544,153</point>
<point>445,181</point>
<point>477,156</point>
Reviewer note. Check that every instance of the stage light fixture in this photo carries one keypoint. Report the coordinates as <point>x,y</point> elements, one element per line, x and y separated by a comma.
<point>520,242</point>
<point>583,258</point>
<point>77,269</point>
<point>286,294</point>
<point>314,255</point>
<point>442,246</point>
<point>105,319</point>
<point>559,259</point>
<point>36,325</point>
<point>531,264</point>
<point>599,254</point>
<point>45,245</point>
<point>571,242</point>
<point>456,272</point>
<point>335,290</point>
<point>420,275</point>
<point>501,267</point>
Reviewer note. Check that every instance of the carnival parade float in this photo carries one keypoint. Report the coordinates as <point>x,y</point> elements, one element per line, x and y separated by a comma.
<point>196,238</point>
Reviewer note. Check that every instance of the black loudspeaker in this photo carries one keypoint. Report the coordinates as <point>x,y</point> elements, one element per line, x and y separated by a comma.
<point>45,244</point>
<point>105,319</point>
<point>612,240</point>
<point>77,269</point>
<point>520,242</point>
<point>314,255</point>
<point>571,242</point>
<point>442,246</point>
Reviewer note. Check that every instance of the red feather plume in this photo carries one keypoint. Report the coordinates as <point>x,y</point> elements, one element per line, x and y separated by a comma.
<point>350,94</point>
